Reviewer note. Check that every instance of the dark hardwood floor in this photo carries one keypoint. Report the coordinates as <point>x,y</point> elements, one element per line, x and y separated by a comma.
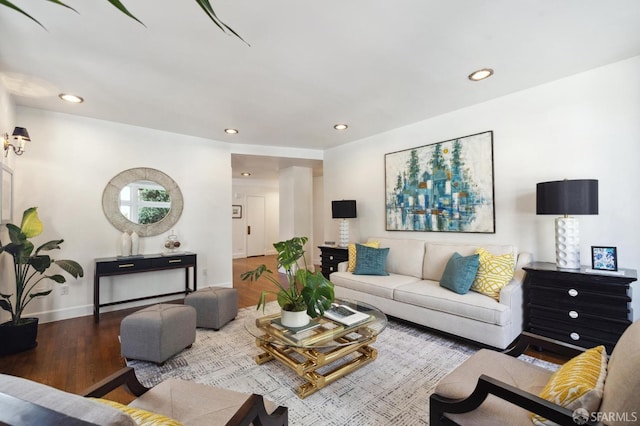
<point>76,353</point>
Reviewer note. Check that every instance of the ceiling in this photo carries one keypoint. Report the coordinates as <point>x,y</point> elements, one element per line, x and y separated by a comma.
<point>372,64</point>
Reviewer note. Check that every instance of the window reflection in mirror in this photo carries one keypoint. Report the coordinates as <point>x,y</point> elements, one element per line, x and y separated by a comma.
<point>144,202</point>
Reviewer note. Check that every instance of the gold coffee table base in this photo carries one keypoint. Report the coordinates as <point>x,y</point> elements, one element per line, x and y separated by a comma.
<point>312,360</point>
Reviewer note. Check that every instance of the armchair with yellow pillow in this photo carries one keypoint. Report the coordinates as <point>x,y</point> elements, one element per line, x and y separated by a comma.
<point>493,388</point>
<point>170,403</point>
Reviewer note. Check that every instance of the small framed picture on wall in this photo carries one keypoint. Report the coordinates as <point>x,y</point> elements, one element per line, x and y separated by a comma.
<point>604,258</point>
<point>236,211</point>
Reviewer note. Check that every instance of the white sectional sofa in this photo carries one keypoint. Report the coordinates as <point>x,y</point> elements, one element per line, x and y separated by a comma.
<point>412,292</point>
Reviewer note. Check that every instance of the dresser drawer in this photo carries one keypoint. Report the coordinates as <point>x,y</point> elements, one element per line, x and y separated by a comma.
<point>169,261</point>
<point>609,305</point>
<point>576,319</point>
<point>120,266</point>
<point>575,337</point>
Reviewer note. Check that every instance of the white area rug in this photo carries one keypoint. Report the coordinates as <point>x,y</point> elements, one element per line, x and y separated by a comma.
<point>394,389</point>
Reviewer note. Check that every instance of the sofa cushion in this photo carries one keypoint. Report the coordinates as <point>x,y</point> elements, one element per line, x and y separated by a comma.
<point>436,255</point>
<point>579,383</point>
<point>371,261</point>
<point>476,306</point>
<point>459,273</point>
<point>63,402</point>
<point>352,253</point>
<point>381,286</point>
<point>405,256</point>
<point>494,272</point>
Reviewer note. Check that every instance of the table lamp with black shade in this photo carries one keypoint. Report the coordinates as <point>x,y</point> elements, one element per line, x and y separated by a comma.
<point>344,209</point>
<point>567,197</point>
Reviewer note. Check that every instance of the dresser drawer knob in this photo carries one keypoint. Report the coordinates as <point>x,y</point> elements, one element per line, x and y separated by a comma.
<point>330,257</point>
<point>574,336</point>
<point>573,292</point>
<point>573,314</point>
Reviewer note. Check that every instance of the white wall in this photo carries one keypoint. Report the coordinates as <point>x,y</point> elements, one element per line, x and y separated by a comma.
<point>270,191</point>
<point>262,188</point>
<point>64,172</point>
<point>318,217</point>
<point>7,123</point>
<point>583,126</point>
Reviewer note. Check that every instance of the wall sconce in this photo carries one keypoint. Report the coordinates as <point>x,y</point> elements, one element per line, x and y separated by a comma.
<point>21,135</point>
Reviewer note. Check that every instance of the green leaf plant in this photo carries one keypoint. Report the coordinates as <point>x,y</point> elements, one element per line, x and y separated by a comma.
<point>306,290</point>
<point>30,267</point>
<point>204,4</point>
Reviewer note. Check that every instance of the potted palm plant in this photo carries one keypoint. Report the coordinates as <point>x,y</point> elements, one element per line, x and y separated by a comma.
<point>308,294</point>
<point>30,269</point>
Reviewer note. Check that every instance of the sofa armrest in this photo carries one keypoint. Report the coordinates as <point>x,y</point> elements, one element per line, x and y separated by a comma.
<point>342,266</point>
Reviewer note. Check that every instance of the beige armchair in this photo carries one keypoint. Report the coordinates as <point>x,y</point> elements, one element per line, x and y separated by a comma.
<point>493,388</point>
<point>26,402</point>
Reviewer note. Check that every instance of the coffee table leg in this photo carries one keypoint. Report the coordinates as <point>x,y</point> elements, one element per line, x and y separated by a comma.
<point>315,360</point>
<point>263,357</point>
<point>317,381</point>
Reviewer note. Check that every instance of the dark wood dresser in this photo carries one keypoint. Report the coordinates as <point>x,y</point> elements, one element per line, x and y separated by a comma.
<point>330,256</point>
<point>576,306</point>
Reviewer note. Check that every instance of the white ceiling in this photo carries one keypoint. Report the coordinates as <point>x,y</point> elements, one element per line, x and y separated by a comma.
<point>373,64</point>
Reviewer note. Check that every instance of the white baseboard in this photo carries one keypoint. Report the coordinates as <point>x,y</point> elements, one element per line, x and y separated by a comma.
<point>86,310</point>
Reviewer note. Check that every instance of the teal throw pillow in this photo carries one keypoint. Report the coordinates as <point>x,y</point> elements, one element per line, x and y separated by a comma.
<point>460,272</point>
<point>370,261</point>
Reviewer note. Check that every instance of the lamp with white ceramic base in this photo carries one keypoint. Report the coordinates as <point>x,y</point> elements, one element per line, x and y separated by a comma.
<point>567,197</point>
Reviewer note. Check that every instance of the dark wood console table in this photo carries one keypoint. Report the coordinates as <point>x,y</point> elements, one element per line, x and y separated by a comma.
<point>109,266</point>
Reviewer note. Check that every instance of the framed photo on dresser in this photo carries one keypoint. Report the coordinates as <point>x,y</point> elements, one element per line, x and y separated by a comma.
<point>604,258</point>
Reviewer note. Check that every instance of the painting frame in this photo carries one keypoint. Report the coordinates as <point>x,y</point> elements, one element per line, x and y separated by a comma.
<point>6,195</point>
<point>446,186</point>
<point>236,211</point>
<point>604,258</point>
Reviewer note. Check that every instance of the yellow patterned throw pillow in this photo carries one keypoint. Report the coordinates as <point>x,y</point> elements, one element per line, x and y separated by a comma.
<point>494,272</point>
<point>577,384</point>
<point>353,253</point>
<point>140,416</point>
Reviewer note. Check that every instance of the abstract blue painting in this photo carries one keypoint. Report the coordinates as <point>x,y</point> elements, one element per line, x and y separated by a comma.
<point>442,187</point>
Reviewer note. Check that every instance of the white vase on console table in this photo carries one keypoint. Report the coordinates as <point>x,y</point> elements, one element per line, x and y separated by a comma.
<point>125,244</point>
<point>135,243</point>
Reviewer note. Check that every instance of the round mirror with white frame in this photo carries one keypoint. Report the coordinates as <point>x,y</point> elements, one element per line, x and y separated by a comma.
<point>143,200</point>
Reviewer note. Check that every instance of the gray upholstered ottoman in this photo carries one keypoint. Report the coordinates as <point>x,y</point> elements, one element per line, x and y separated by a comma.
<point>158,332</point>
<point>215,306</point>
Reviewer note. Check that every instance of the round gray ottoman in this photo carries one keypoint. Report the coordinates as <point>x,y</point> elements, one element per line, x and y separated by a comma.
<point>215,306</point>
<point>158,332</point>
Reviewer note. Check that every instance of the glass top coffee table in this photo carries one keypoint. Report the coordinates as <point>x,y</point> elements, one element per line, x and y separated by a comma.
<point>325,351</point>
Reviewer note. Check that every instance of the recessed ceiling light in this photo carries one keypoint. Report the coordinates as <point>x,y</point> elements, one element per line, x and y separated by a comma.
<point>245,174</point>
<point>71,98</point>
<point>340,127</point>
<point>481,74</point>
<point>231,131</point>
